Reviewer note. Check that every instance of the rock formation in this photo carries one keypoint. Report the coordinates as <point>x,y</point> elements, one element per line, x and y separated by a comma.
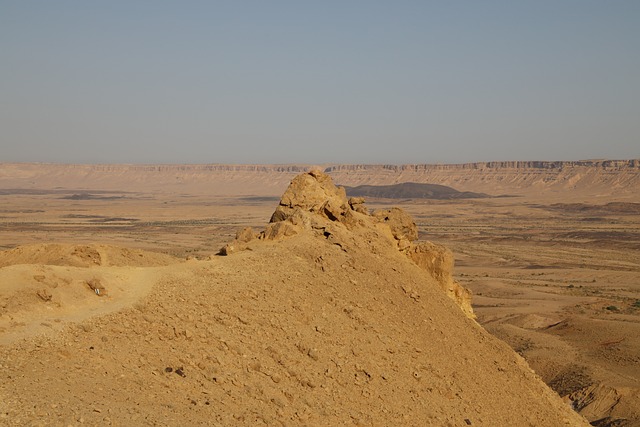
<point>438,261</point>
<point>315,193</point>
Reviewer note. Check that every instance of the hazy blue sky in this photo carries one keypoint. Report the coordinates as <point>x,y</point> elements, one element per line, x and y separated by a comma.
<point>319,81</point>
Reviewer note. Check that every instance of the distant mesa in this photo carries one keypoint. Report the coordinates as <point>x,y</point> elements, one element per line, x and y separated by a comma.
<point>590,178</point>
<point>89,196</point>
<point>412,190</point>
<point>611,208</point>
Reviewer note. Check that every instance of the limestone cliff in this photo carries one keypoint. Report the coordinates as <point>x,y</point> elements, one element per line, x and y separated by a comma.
<point>591,177</point>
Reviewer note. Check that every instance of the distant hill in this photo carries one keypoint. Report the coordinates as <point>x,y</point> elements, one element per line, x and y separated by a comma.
<point>412,190</point>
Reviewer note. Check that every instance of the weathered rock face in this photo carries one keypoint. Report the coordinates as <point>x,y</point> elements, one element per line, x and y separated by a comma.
<point>438,261</point>
<point>357,204</point>
<point>401,224</point>
<point>602,404</point>
<point>312,192</point>
<point>245,235</point>
<point>312,201</point>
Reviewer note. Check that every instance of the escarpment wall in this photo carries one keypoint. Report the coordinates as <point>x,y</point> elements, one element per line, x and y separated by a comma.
<point>588,177</point>
<point>518,177</point>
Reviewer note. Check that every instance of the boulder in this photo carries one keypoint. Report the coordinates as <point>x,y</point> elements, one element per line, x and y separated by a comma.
<point>357,204</point>
<point>401,224</point>
<point>245,235</point>
<point>314,192</point>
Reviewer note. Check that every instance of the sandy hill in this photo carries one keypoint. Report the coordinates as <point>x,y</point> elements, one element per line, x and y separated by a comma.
<point>330,316</point>
<point>45,285</point>
<point>588,178</point>
<point>412,190</point>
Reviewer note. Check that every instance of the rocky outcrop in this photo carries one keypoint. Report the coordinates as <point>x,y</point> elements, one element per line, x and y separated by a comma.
<point>438,261</point>
<point>313,192</point>
<point>604,405</point>
<point>313,202</point>
<point>401,224</point>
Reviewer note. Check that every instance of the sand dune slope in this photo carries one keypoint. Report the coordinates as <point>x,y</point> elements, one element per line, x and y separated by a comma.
<point>321,319</point>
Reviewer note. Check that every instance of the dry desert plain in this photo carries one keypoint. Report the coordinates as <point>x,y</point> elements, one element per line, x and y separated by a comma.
<point>552,259</point>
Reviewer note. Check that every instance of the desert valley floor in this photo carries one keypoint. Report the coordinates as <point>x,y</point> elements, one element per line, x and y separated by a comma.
<point>554,273</point>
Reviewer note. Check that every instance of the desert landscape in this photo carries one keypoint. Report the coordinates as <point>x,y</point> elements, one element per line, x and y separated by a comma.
<point>325,306</point>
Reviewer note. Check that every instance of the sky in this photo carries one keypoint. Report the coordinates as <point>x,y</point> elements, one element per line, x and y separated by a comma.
<point>318,82</point>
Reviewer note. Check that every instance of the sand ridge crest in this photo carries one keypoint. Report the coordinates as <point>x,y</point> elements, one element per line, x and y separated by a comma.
<point>89,255</point>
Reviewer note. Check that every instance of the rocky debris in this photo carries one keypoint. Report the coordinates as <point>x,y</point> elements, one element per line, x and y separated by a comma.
<point>96,286</point>
<point>227,249</point>
<point>401,224</point>
<point>245,235</point>
<point>601,404</point>
<point>281,229</point>
<point>87,254</point>
<point>357,204</point>
<point>44,295</point>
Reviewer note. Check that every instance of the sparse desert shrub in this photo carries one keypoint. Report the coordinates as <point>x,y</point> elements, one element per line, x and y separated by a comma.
<point>636,304</point>
<point>611,308</point>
